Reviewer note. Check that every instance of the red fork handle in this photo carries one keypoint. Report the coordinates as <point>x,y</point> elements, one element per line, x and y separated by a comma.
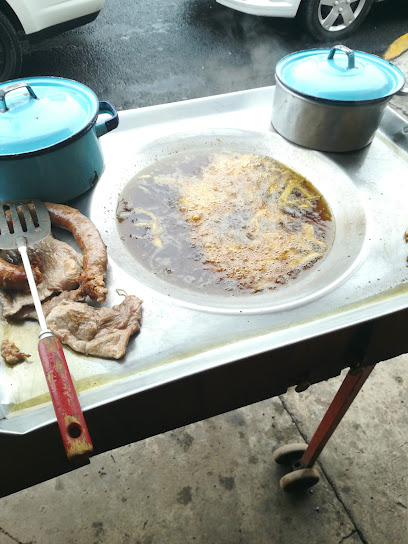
<point>71,421</point>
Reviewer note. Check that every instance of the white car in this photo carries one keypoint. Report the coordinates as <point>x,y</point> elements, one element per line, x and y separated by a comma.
<point>34,20</point>
<point>324,19</point>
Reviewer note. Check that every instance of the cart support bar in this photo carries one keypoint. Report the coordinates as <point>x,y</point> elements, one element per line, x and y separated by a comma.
<point>339,406</point>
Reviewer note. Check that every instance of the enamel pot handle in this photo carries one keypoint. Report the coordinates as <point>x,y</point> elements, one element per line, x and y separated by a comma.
<point>14,87</point>
<point>347,51</point>
<point>102,127</point>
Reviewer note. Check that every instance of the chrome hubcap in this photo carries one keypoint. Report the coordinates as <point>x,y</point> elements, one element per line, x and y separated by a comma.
<point>335,15</point>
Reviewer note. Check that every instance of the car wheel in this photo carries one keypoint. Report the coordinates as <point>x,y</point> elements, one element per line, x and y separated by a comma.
<point>10,50</point>
<point>333,19</point>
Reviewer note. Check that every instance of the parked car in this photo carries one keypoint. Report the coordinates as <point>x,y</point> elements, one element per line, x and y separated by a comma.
<point>34,20</point>
<point>325,19</point>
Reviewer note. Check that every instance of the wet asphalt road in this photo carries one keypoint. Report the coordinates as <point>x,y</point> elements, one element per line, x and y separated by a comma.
<point>151,52</point>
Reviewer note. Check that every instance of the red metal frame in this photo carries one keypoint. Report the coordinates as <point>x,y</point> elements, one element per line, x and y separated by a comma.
<point>344,397</point>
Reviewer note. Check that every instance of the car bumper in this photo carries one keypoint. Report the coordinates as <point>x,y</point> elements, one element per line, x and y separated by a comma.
<point>54,30</point>
<point>38,15</point>
<point>267,8</point>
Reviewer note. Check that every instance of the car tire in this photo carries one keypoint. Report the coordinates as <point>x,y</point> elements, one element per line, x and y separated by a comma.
<point>10,50</point>
<point>314,14</point>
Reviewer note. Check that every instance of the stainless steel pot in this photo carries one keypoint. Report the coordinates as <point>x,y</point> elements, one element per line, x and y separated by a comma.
<point>333,104</point>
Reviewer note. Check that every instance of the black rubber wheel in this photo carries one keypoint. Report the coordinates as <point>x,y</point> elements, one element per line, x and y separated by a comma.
<point>299,480</point>
<point>333,20</point>
<point>10,50</point>
<point>289,454</point>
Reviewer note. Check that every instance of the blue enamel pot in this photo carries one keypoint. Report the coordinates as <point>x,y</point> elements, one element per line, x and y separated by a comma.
<point>49,138</point>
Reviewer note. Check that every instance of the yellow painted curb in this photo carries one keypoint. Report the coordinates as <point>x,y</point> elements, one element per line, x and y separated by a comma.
<point>397,48</point>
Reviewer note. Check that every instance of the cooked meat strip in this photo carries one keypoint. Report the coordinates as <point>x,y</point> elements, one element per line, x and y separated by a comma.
<point>28,312</point>
<point>11,354</point>
<point>61,266</point>
<point>103,332</point>
<point>92,279</point>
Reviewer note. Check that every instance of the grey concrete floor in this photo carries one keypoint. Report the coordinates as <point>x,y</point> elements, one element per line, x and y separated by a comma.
<point>215,481</point>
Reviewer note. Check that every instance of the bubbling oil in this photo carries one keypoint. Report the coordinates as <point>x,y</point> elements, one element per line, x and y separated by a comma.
<point>224,222</point>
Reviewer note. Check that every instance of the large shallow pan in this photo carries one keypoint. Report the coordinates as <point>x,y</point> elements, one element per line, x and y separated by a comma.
<point>333,99</point>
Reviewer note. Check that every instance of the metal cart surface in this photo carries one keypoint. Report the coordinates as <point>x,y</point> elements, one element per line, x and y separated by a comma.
<point>197,356</point>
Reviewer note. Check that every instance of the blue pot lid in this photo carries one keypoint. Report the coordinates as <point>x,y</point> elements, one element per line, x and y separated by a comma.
<point>339,74</point>
<point>41,112</point>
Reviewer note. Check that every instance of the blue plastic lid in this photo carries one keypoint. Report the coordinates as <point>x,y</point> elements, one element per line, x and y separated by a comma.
<point>339,74</point>
<point>42,112</point>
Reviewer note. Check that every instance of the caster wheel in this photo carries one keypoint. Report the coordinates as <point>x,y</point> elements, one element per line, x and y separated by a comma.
<point>299,480</point>
<point>289,454</point>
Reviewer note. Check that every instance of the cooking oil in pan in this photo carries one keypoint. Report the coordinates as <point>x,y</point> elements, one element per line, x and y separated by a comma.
<point>223,222</point>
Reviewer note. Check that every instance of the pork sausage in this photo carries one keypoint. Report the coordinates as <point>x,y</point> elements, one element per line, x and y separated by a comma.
<point>13,276</point>
<point>95,260</point>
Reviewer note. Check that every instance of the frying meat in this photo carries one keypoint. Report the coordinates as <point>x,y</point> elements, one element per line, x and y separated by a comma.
<point>11,354</point>
<point>255,220</point>
<point>103,332</point>
<point>61,268</point>
<point>92,278</point>
<point>225,222</point>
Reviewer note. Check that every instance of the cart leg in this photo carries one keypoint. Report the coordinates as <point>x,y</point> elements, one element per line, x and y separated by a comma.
<point>302,457</point>
<point>339,406</point>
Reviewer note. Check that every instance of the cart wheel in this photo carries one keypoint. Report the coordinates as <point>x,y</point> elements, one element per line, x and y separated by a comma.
<point>299,480</point>
<point>289,454</point>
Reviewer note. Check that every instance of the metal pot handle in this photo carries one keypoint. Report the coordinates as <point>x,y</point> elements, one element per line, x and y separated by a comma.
<point>13,87</point>
<point>102,127</point>
<point>347,51</point>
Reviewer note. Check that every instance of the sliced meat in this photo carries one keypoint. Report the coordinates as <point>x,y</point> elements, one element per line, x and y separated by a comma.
<point>11,354</point>
<point>28,312</point>
<point>103,332</point>
<point>92,278</point>
<point>61,267</point>
<point>95,260</point>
